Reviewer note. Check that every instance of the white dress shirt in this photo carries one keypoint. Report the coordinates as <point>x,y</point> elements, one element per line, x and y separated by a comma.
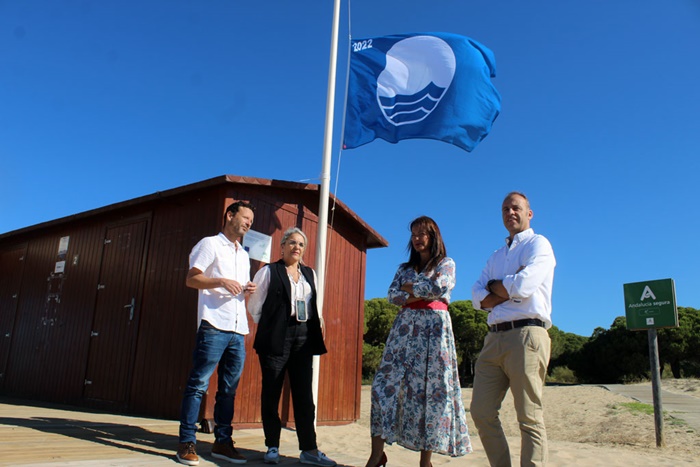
<point>218,256</point>
<point>526,268</point>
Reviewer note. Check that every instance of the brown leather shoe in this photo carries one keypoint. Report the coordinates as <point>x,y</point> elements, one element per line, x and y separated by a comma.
<point>187,454</point>
<point>227,452</point>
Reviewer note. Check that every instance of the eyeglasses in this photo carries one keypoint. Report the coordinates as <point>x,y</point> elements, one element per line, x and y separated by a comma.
<point>294,243</point>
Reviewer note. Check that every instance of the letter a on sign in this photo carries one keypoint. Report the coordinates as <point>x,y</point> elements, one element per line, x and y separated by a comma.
<point>647,293</point>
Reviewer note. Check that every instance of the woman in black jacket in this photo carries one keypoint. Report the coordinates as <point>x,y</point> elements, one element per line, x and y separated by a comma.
<point>289,335</point>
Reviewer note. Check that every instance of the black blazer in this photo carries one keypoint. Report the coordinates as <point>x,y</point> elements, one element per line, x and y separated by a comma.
<point>276,314</point>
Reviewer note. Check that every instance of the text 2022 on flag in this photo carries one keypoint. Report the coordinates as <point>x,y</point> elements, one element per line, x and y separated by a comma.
<point>432,85</point>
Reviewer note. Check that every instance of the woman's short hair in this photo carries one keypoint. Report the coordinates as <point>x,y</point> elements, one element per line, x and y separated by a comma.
<point>291,231</point>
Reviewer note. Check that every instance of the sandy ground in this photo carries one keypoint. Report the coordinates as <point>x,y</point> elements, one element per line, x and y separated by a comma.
<point>689,387</point>
<point>586,425</point>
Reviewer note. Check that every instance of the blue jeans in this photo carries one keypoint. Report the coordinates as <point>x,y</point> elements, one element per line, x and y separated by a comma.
<point>214,347</point>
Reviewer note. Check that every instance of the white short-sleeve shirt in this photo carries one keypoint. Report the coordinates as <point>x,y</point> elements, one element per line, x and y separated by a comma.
<point>217,256</point>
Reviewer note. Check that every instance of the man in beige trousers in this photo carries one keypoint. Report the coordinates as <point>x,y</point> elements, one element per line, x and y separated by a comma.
<point>515,288</point>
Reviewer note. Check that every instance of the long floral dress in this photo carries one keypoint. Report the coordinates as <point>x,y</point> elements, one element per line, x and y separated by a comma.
<point>416,396</point>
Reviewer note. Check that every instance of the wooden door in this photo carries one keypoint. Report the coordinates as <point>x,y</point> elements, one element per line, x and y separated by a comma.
<point>115,324</point>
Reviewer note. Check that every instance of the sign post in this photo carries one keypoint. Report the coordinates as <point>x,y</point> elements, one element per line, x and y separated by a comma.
<point>650,305</point>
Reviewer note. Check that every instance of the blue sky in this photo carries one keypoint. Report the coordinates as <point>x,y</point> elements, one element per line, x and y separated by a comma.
<point>104,101</point>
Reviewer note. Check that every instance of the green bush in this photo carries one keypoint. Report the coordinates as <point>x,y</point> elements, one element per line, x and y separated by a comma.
<point>562,374</point>
<point>371,356</point>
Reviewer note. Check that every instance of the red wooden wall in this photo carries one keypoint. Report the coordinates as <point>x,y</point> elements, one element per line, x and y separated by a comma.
<point>115,329</point>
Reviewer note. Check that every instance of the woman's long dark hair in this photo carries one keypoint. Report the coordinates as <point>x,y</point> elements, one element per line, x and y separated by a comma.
<point>437,247</point>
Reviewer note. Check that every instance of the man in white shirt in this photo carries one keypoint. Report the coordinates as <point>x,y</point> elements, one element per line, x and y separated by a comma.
<point>220,271</point>
<point>515,288</point>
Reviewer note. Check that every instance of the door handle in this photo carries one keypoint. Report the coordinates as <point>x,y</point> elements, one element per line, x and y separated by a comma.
<point>131,307</point>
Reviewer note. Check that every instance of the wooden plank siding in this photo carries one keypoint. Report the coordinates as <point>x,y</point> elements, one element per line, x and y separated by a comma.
<point>11,269</point>
<point>169,322</point>
<point>64,331</point>
<point>55,316</point>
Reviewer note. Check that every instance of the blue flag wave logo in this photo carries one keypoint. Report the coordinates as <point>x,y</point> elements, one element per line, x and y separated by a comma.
<point>407,88</point>
<point>432,85</point>
<point>400,110</point>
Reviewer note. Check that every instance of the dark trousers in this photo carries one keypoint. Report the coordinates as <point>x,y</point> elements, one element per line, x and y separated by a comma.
<point>297,362</point>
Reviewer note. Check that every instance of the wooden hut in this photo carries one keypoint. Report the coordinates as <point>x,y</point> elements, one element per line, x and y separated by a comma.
<point>94,310</point>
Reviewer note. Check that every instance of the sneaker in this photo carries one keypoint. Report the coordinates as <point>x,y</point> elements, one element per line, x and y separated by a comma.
<point>272,456</point>
<point>319,459</point>
<point>187,454</point>
<point>227,452</point>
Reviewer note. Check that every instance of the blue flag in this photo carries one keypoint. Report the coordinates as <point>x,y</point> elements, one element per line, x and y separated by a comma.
<point>433,85</point>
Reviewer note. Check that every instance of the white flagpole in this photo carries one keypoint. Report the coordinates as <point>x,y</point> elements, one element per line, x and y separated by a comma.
<point>325,185</point>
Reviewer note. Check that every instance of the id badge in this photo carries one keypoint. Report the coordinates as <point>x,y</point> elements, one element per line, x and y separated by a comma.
<point>302,317</point>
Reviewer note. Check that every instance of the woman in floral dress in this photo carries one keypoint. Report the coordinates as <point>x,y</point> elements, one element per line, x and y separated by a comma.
<point>416,396</point>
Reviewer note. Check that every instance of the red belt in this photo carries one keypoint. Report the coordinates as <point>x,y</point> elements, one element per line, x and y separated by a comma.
<point>423,304</point>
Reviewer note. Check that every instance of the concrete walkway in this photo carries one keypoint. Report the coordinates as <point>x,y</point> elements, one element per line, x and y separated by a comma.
<point>686,408</point>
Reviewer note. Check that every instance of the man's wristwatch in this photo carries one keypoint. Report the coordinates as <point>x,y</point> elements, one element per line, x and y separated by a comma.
<point>489,284</point>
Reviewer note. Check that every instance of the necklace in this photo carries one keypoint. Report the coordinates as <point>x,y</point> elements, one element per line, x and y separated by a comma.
<point>295,272</point>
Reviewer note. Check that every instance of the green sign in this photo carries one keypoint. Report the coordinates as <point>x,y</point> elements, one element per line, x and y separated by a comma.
<point>651,304</point>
